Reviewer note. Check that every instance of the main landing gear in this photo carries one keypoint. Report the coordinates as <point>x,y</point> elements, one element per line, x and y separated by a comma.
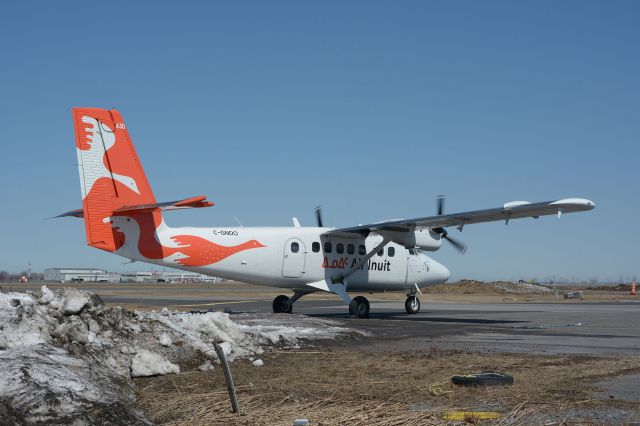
<point>281,305</point>
<point>359,307</point>
<point>284,304</point>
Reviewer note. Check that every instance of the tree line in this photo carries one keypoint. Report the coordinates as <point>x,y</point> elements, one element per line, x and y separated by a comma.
<point>6,276</point>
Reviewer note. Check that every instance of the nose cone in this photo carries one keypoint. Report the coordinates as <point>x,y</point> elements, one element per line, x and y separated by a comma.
<point>438,273</point>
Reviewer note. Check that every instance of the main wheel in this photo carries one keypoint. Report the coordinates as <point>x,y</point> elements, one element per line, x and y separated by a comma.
<point>412,305</point>
<point>281,305</point>
<point>359,307</point>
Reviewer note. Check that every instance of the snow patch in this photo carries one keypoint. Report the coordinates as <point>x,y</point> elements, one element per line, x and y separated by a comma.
<point>258,363</point>
<point>206,366</point>
<point>74,301</point>
<point>147,363</point>
<point>164,339</point>
<point>67,358</point>
<point>47,295</point>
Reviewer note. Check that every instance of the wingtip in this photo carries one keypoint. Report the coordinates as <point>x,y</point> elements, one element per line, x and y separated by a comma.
<point>582,203</point>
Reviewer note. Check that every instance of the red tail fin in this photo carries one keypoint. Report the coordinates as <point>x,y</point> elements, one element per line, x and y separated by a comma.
<point>111,175</point>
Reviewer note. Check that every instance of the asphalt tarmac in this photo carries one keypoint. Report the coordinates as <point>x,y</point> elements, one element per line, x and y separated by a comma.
<point>545,328</point>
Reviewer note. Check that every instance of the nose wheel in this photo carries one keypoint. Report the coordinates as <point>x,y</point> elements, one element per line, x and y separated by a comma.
<point>359,307</point>
<point>412,305</point>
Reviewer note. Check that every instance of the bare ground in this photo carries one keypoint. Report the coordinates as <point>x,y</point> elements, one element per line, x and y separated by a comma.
<point>345,386</point>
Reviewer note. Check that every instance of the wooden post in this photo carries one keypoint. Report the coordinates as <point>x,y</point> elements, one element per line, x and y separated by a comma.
<point>227,376</point>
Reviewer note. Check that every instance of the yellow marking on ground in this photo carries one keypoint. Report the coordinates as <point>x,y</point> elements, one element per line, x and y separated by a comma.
<point>470,415</point>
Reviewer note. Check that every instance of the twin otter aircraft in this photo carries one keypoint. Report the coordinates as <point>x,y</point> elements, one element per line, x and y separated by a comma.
<point>122,216</point>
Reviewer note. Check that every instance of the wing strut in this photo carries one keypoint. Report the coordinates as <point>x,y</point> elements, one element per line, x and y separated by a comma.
<point>342,277</point>
<point>338,284</point>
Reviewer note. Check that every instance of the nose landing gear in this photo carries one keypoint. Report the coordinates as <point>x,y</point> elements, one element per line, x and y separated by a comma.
<point>412,305</point>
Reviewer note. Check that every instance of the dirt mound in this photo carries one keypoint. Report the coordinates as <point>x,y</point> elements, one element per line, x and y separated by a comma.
<point>619,287</point>
<point>496,288</point>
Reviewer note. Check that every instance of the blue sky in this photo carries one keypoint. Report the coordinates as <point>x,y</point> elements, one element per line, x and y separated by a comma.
<point>370,109</point>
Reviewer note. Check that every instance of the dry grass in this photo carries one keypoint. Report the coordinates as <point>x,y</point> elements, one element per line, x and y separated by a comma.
<point>349,387</point>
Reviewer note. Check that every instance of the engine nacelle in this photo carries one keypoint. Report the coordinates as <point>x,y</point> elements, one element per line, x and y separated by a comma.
<point>422,238</point>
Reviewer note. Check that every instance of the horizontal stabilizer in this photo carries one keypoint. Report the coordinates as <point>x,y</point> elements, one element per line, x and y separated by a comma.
<point>187,203</point>
<point>74,213</point>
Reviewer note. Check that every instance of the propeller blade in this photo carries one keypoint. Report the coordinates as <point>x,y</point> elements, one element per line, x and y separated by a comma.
<point>319,216</point>
<point>440,205</point>
<point>458,245</point>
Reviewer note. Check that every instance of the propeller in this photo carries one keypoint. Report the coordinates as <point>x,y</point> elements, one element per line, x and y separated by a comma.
<point>440,205</point>
<point>458,245</point>
<point>319,216</point>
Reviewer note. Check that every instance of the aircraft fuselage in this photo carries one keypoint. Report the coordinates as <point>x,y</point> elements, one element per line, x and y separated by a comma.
<point>290,257</point>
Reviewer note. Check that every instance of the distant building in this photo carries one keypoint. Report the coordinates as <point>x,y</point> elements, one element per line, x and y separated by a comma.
<point>140,277</point>
<point>66,275</point>
<point>186,277</point>
<point>70,275</point>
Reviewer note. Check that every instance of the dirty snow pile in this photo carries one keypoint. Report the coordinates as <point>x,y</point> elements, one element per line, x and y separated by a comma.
<point>67,358</point>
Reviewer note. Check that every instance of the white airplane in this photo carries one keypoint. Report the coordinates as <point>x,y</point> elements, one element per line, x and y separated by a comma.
<point>122,216</point>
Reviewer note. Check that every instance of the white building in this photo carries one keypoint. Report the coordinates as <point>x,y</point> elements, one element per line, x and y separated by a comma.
<point>65,275</point>
<point>140,277</point>
<point>186,277</point>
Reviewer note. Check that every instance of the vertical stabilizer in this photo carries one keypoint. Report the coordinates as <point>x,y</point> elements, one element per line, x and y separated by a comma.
<point>111,175</point>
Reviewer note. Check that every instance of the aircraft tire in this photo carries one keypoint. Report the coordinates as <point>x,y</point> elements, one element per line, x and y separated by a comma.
<point>281,305</point>
<point>482,379</point>
<point>359,307</point>
<point>412,305</point>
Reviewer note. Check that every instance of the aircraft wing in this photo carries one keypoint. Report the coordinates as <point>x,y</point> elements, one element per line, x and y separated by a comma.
<point>509,211</point>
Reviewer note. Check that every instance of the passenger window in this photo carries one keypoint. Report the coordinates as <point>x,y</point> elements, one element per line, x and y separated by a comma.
<point>295,247</point>
<point>315,246</point>
<point>350,249</point>
<point>362,250</point>
<point>381,252</point>
<point>391,251</point>
<point>340,248</point>
<point>327,247</point>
